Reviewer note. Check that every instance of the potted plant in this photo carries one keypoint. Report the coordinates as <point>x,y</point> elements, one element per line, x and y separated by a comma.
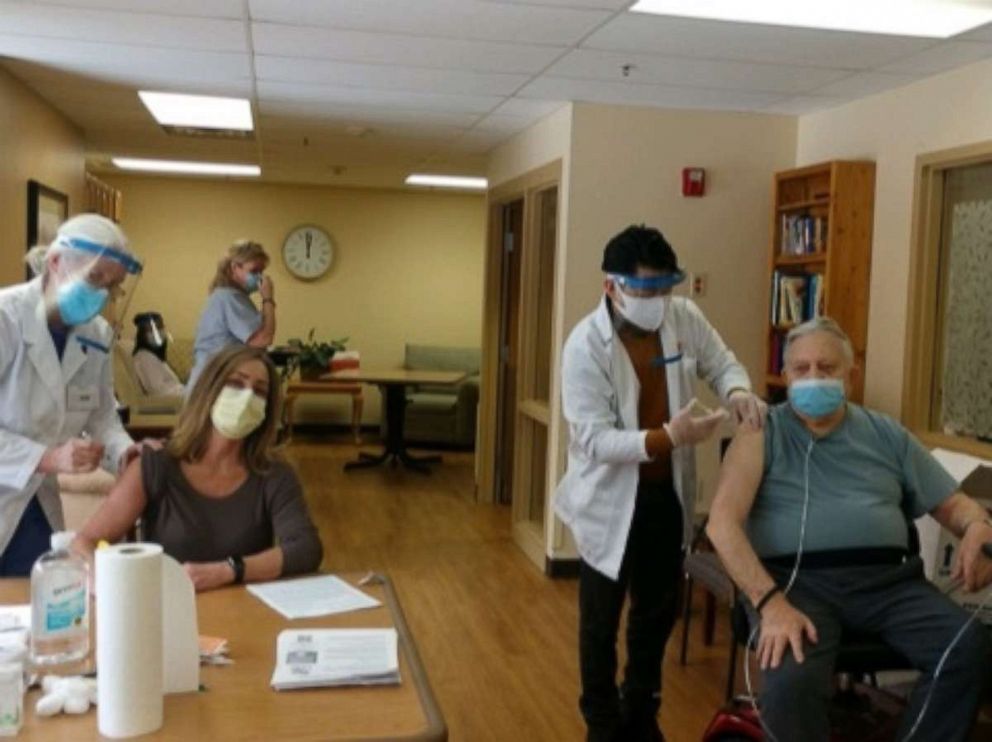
<point>314,356</point>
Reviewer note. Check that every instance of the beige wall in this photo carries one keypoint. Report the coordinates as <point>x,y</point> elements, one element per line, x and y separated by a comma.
<point>546,141</point>
<point>37,143</point>
<point>626,168</point>
<point>407,266</point>
<point>892,129</point>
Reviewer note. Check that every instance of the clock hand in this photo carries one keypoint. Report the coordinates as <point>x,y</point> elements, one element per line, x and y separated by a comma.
<point>309,240</point>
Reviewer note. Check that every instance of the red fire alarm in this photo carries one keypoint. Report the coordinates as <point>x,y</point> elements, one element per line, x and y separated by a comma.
<point>693,181</point>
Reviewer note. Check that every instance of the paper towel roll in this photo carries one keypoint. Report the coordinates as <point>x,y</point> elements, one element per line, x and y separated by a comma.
<point>129,639</point>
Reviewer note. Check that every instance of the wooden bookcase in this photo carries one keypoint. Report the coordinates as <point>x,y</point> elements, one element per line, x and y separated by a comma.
<point>822,219</point>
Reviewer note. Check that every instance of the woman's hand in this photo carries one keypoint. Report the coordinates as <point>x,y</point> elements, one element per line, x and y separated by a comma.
<point>209,575</point>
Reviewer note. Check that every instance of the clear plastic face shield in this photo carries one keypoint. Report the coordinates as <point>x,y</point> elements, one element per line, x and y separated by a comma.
<point>647,287</point>
<point>642,300</point>
<point>86,278</point>
<point>155,334</point>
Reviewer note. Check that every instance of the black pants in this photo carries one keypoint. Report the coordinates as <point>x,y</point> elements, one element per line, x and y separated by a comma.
<point>650,571</point>
<point>31,539</point>
<point>911,615</point>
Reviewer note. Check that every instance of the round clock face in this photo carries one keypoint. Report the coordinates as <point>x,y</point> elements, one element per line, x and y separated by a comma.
<point>308,252</point>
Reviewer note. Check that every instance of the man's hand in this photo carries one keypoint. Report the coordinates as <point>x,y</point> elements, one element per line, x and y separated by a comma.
<point>971,566</point>
<point>782,626</point>
<point>75,456</point>
<point>134,450</point>
<point>748,408</point>
<point>209,575</point>
<point>685,430</point>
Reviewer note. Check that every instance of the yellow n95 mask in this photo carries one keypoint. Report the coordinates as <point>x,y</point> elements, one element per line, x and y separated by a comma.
<point>237,412</point>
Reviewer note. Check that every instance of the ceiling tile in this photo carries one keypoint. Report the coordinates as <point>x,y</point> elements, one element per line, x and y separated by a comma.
<point>456,19</point>
<point>503,124</point>
<point>861,84</point>
<point>385,77</point>
<point>601,4</point>
<point>168,68</point>
<point>665,96</point>
<point>381,48</point>
<point>338,113</point>
<point>655,69</point>
<point>750,42</point>
<point>123,28</point>
<point>273,91</point>
<point>529,108</point>
<point>941,57</point>
<point>198,8</point>
<point>802,104</point>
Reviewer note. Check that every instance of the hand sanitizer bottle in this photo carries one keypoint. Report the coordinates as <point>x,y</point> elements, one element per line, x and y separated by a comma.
<point>60,602</point>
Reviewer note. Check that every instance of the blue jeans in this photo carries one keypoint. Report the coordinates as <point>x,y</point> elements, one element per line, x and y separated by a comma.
<point>31,539</point>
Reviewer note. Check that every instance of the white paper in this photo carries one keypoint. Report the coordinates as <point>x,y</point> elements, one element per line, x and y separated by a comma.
<point>312,596</point>
<point>332,657</point>
<point>13,617</point>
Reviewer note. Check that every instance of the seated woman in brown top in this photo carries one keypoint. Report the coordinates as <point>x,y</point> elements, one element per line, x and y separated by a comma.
<point>215,498</point>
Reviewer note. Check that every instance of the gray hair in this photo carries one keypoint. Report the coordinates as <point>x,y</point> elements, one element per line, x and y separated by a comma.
<point>821,324</point>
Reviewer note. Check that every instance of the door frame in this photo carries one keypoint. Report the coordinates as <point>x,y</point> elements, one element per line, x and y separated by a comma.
<point>525,187</point>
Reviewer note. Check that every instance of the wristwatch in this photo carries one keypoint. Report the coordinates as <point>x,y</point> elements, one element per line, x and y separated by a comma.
<point>238,565</point>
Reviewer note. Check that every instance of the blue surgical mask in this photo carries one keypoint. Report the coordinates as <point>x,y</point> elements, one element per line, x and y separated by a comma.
<point>79,302</point>
<point>816,397</point>
<point>253,282</point>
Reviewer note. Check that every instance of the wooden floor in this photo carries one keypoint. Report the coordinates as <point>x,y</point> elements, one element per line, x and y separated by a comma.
<point>497,637</point>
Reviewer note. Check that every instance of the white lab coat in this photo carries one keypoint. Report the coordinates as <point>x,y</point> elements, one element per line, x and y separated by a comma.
<point>600,393</point>
<point>43,403</point>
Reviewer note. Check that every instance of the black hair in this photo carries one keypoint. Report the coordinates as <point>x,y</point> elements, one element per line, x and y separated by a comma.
<point>639,245</point>
<point>141,323</point>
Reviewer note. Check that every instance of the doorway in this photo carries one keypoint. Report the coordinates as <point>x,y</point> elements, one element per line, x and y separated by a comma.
<point>518,352</point>
<point>512,219</point>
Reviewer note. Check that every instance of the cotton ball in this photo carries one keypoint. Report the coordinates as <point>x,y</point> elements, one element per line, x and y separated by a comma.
<point>76,704</point>
<point>49,683</point>
<point>49,704</point>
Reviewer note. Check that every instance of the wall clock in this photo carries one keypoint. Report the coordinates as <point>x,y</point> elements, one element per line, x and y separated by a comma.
<point>308,252</point>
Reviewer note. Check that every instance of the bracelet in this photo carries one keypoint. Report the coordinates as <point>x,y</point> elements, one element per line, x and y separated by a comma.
<point>766,597</point>
<point>238,565</point>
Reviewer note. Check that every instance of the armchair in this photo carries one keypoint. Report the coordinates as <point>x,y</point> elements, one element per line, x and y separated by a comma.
<point>442,414</point>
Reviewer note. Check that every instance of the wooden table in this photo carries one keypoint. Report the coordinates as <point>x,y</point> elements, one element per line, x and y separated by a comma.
<point>393,385</point>
<point>297,387</point>
<point>239,704</point>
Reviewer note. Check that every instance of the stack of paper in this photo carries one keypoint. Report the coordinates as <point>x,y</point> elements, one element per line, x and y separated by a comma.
<point>308,658</point>
<point>311,596</point>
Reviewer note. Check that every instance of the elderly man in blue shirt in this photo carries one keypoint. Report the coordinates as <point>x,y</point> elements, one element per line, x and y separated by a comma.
<point>811,519</point>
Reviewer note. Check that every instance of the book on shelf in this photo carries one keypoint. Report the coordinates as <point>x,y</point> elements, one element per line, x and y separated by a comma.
<point>802,234</point>
<point>795,298</point>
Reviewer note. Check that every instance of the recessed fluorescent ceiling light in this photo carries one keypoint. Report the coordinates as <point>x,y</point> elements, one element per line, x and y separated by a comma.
<point>176,166</point>
<point>447,181</point>
<point>204,111</point>
<point>933,18</point>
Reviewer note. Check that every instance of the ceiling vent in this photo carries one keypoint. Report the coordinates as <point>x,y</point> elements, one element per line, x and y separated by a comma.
<point>202,132</point>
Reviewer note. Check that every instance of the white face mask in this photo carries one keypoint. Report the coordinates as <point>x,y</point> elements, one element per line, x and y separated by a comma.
<point>237,412</point>
<point>646,312</point>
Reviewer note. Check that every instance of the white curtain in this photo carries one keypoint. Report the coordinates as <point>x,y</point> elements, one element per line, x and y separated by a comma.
<point>967,374</point>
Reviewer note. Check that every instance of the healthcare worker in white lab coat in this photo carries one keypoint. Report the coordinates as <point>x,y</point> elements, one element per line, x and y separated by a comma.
<point>628,495</point>
<point>57,407</point>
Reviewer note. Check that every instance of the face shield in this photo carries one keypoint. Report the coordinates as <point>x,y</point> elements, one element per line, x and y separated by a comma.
<point>643,287</point>
<point>155,336</point>
<point>89,278</point>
